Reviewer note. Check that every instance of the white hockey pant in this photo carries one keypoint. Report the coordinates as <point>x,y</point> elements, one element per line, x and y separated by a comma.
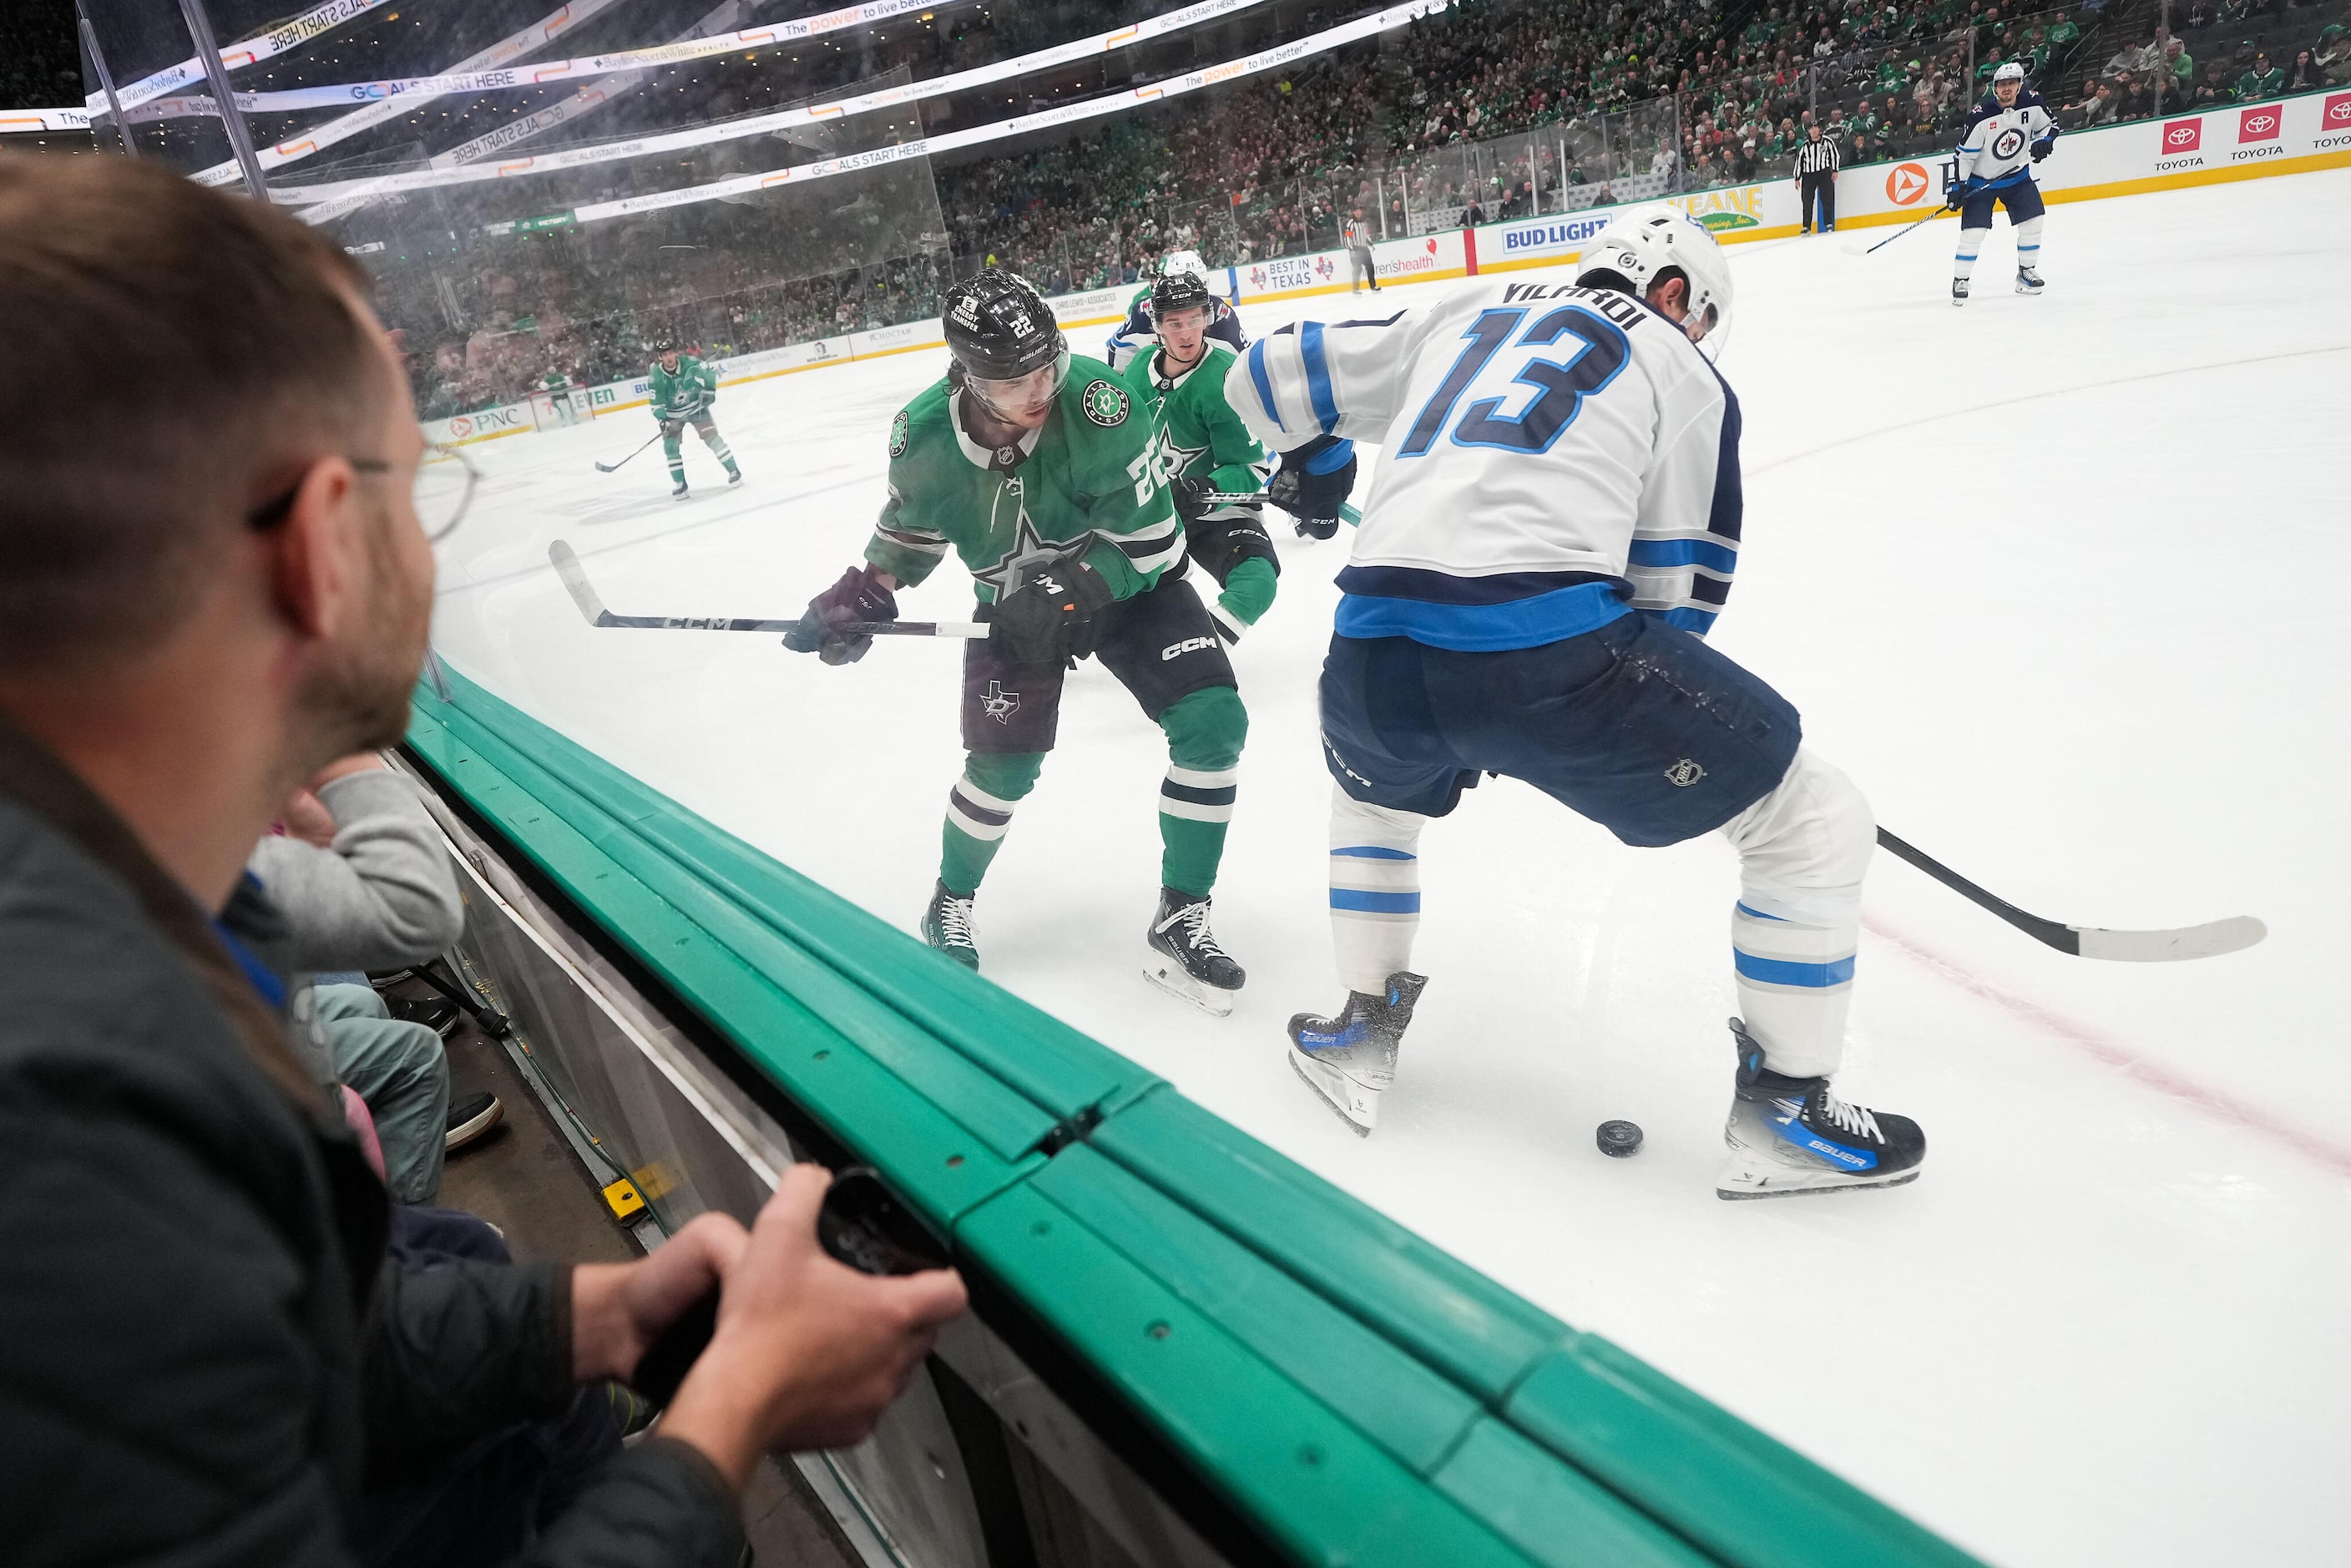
<point>1803,849</point>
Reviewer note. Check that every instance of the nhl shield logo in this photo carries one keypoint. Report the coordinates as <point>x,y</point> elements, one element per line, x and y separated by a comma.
<point>998,704</point>
<point>1684,774</point>
<point>1105,404</point>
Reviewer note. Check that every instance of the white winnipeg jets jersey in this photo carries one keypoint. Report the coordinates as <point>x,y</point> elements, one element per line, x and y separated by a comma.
<point>1997,146</point>
<point>1551,454</point>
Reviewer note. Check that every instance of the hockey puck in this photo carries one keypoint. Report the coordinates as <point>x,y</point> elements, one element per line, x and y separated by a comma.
<point>1618,1139</point>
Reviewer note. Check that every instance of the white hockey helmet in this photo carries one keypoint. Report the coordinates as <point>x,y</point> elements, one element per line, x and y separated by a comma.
<point>2010,70</point>
<point>1183,261</point>
<point>1646,244</point>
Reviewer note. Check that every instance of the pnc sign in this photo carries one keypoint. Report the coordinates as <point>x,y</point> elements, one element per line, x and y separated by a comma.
<point>2183,135</point>
<point>2259,124</point>
<point>1904,183</point>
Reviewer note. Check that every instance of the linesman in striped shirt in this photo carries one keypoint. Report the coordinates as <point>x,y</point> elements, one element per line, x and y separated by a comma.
<point>1816,172</point>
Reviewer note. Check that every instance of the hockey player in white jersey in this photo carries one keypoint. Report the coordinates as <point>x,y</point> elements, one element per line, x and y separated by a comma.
<point>1553,529</point>
<point>2007,134</point>
<point>1138,334</point>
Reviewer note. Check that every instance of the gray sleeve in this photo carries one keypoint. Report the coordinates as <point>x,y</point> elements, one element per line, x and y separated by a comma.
<point>385,895</point>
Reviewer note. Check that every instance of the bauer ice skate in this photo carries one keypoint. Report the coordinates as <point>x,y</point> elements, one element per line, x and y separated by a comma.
<point>1958,291</point>
<point>1789,1135</point>
<point>2029,281</point>
<point>1350,1060</point>
<point>678,493</point>
<point>1180,954</point>
<point>947,925</point>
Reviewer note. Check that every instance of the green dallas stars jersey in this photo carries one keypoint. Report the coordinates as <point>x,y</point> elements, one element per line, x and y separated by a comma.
<point>1094,468</point>
<point>1203,439</point>
<point>692,389</point>
<point>1206,439</point>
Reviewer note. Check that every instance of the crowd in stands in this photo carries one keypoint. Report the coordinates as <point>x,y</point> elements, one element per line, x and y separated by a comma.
<point>1492,111</point>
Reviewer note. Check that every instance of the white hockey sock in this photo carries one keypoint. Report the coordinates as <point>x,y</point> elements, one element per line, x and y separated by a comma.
<point>1803,849</point>
<point>1375,890</point>
<point>2028,245</point>
<point>1971,242</point>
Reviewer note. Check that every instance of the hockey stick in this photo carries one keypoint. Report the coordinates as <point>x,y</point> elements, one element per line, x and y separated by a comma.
<point>615,468</point>
<point>591,606</point>
<point>1897,234</point>
<point>1347,512</point>
<point>2091,941</point>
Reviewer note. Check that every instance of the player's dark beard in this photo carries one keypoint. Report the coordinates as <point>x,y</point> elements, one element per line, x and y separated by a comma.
<point>356,698</point>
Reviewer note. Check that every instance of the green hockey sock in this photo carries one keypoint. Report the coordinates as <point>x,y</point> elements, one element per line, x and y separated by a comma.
<point>672,449</point>
<point>979,810</point>
<point>719,449</point>
<point>1205,734</point>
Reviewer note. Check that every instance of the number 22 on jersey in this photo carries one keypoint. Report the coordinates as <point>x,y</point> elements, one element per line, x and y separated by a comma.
<point>1596,352</point>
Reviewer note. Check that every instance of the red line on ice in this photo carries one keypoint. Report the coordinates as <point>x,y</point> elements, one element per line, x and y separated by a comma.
<point>2110,1052</point>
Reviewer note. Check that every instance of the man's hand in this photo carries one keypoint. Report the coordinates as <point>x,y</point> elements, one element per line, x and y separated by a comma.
<point>864,593</point>
<point>808,1352</point>
<point>1314,481</point>
<point>1191,498</point>
<point>2042,148</point>
<point>618,1309</point>
<point>1050,615</point>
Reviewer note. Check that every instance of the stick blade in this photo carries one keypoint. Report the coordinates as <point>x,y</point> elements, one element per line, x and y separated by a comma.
<point>575,581</point>
<point>2207,941</point>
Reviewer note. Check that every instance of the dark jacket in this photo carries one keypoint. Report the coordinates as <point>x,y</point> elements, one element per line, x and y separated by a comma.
<point>205,1357</point>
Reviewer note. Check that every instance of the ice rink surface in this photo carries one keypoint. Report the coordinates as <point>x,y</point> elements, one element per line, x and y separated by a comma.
<point>2055,579</point>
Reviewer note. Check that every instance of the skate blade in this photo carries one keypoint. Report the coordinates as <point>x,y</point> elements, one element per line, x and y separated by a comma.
<point>1169,976</point>
<point>1351,1103</point>
<point>1745,1177</point>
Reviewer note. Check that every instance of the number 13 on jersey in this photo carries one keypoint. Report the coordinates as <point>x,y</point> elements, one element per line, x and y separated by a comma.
<point>1596,351</point>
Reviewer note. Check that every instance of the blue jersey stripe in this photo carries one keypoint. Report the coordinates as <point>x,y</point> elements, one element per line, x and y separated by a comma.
<point>1758,915</point>
<point>1317,376</point>
<point>1375,903</point>
<point>1373,852</point>
<point>1264,383</point>
<point>1683,552</point>
<point>1784,972</point>
<point>1483,628</point>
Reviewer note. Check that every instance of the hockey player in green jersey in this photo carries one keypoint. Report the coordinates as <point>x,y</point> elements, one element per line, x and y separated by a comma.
<point>1038,471</point>
<point>683,389</point>
<point>1208,450</point>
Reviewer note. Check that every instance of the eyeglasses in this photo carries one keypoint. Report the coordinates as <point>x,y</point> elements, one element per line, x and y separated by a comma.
<point>445,488</point>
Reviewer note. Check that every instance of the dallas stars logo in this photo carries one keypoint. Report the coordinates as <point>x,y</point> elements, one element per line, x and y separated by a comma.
<point>1175,460</point>
<point>1105,404</point>
<point>1028,549</point>
<point>998,704</point>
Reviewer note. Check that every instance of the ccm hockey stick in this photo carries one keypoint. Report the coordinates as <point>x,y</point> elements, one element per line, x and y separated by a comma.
<point>591,606</point>
<point>1347,512</point>
<point>1853,250</point>
<point>2090,941</point>
<point>614,467</point>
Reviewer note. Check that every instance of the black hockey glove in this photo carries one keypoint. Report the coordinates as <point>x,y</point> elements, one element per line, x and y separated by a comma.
<point>1192,499</point>
<point>1048,616</point>
<point>2042,148</point>
<point>1297,488</point>
<point>856,597</point>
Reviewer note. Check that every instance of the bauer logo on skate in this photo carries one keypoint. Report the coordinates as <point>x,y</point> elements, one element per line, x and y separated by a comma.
<point>1904,183</point>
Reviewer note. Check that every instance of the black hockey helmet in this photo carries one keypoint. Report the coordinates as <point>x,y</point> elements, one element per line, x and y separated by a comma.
<point>1179,291</point>
<point>999,328</point>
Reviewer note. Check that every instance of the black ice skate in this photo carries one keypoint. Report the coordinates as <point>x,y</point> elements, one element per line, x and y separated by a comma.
<point>1180,954</point>
<point>1789,1135</point>
<point>734,476</point>
<point>947,925</point>
<point>1958,291</point>
<point>1350,1060</point>
<point>679,493</point>
<point>2027,281</point>
<point>1318,527</point>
